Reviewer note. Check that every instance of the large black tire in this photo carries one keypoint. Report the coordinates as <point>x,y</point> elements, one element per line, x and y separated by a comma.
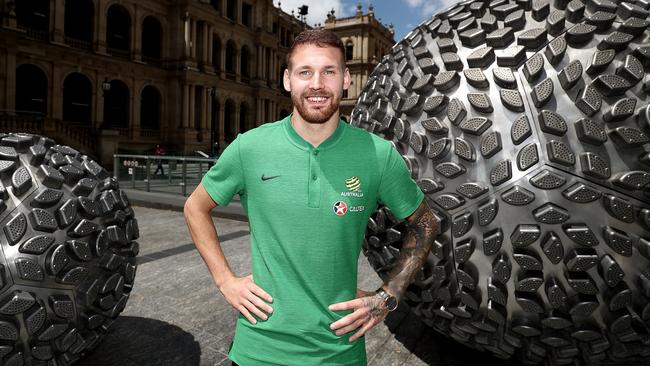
<point>68,252</point>
<point>527,123</point>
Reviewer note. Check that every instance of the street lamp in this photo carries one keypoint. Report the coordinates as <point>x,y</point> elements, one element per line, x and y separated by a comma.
<point>106,85</point>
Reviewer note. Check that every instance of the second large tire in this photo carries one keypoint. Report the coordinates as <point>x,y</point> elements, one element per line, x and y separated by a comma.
<point>527,123</point>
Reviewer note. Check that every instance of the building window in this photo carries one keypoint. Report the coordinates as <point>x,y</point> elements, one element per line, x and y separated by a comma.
<point>77,98</point>
<point>31,90</point>
<point>231,10</point>
<point>78,25</point>
<point>345,94</point>
<point>118,30</point>
<point>349,48</point>
<point>34,16</point>
<point>116,105</point>
<point>151,38</point>
<point>247,14</point>
<point>230,58</point>
<point>244,58</point>
<point>150,108</point>
<point>216,5</point>
<point>216,53</point>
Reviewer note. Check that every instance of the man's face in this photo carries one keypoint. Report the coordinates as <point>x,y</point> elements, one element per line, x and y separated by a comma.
<point>316,81</point>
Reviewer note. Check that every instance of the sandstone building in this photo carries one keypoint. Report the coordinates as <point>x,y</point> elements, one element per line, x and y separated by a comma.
<point>103,74</point>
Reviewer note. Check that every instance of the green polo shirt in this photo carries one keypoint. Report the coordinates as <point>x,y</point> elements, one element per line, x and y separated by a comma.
<point>308,208</point>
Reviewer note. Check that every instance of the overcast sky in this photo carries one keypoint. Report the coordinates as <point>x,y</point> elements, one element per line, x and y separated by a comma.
<point>403,14</point>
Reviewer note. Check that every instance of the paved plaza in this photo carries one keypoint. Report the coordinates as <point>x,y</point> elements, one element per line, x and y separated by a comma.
<point>176,316</point>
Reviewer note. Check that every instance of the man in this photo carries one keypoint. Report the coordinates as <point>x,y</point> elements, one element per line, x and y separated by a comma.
<point>309,183</point>
<point>159,152</point>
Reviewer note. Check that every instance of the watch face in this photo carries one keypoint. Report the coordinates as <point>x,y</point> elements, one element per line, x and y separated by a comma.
<point>391,303</point>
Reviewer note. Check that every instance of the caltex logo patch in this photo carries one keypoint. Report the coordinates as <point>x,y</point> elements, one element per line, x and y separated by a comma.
<point>340,208</point>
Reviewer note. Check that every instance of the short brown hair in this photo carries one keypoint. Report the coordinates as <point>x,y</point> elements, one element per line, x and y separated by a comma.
<point>318,37</point>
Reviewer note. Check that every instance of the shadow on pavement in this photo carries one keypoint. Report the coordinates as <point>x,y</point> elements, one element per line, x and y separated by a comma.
<point>432,347</point>
<point>143,342</point>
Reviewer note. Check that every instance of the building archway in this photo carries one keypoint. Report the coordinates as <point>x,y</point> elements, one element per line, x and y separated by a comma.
<point>79,15</point>
<point>118,29</point>
<point>31,90</point>
<point>229,123</point>
<point>116,105</point>
<point>151,38</point>
<point>77,99</point>
<point>244,119</point>
<point>150,103</point>
<point>34,15</point>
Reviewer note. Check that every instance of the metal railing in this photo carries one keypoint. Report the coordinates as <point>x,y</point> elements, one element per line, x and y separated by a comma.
<point>178,172</point>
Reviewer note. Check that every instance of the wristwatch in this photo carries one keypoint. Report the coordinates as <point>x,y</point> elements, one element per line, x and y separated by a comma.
<point>389,300</point>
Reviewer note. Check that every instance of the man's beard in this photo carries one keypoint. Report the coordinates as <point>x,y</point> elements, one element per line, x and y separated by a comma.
<point>319,116</point>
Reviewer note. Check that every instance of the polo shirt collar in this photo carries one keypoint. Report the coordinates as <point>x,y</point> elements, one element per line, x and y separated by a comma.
<point>297,140</point>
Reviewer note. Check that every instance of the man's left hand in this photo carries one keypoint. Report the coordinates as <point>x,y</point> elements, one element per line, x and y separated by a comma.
<point>369,310</point>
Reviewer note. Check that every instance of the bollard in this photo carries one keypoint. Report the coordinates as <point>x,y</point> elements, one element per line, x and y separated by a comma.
<point>116,167</point>
<point>184,175</point>
<point>148,178</point>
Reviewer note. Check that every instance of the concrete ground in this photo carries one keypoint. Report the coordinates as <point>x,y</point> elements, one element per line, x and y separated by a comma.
<point>176,316</point>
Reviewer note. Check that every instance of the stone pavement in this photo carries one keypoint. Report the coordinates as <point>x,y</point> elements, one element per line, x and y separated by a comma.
<point>176,316</point>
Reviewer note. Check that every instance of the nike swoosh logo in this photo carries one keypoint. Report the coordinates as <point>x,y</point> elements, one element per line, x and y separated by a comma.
<point>267,178</point>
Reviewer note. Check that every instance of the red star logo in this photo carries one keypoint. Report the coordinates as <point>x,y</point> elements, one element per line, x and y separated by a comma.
<point>340,208</point>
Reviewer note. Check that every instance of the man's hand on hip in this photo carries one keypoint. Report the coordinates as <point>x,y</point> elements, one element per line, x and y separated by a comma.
<point>246,297</point>
<point>369,310</point>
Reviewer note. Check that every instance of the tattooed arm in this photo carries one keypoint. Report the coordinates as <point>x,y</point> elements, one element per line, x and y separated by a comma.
<point>423,226</point>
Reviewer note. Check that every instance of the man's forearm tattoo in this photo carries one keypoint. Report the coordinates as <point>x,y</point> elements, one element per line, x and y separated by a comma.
<point>423,228</point>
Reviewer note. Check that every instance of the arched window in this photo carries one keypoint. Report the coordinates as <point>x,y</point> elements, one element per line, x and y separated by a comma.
<point>118,30</point>
<point>349,48</point>
<point>243,117</point>
<point>151,38</point>
<point>150,108</point>
<point>31,90</point>
<point>33,15</point>
<point>216,53</point>
<point>231,10</point>
<point>77,98</point>
<point>78,27</point>
<point>116,105</point>
<point>228,119</point>
<point>244,58</point>
<point>231,58</point>
<point>216,5</point>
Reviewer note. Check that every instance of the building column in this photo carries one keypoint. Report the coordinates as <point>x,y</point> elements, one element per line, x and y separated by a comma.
<point>186,38</point>
<point>56,92</point>
<point>192,106</point>
<point>237,112</point>
<point>10,85</point>
<point>136,37</point>
<point>135,107</point>
<point>272,62</point>
<point>193,41</point>
<point>186,106</point>
<point>100,28</point>
<point>97,101</point>
<point>206,38</point>
<point>210,44</point>
<point>57,21</point>
<point>208,110</point>
<point>204,110</point>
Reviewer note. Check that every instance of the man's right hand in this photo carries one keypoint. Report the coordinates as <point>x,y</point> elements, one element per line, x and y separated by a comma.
<point>245,296</point>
